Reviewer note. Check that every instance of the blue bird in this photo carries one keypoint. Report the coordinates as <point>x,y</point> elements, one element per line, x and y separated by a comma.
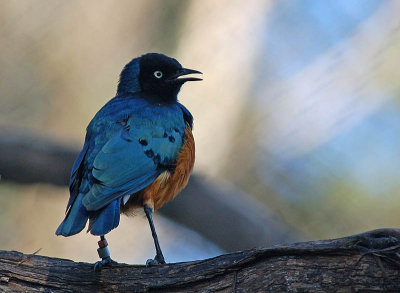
<point>139,151</point>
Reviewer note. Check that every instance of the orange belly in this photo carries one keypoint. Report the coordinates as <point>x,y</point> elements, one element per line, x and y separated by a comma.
<point>168,184</point>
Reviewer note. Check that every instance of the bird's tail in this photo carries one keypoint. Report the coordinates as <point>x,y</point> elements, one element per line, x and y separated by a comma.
<point>102,222</point>
<point>75,220</point>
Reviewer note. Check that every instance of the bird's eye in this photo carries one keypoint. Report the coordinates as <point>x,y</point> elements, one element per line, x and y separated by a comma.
<point>158,74</point>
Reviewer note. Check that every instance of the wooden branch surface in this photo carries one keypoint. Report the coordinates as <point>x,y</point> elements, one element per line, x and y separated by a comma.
<point>367,262</point>
<point>203,206</point>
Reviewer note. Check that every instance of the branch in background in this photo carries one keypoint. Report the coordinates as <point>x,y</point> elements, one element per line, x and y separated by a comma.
<point>25,158</point>
<point>226,216</point>
<point>360,263</point>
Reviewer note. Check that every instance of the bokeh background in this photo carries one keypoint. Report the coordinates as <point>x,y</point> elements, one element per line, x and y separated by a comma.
<point>299,109</point>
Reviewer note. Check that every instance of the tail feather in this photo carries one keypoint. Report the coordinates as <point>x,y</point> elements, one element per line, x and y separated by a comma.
<point>105,220</point>
<point>75,219</point>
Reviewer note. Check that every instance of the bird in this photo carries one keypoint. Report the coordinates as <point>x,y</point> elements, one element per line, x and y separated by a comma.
<point>139,152</point>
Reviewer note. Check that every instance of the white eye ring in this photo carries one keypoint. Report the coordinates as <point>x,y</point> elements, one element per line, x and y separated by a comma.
<point>158,74</point>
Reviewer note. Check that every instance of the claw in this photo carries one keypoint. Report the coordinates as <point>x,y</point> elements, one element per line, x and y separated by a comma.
<point>158,260</point>
<point>98,266</point>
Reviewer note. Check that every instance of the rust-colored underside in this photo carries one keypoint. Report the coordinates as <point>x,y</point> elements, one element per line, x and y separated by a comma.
<point>168,184</point>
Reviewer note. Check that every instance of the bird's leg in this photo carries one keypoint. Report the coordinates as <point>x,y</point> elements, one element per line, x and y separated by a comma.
<point>104,254</point>
<point>159,259</point>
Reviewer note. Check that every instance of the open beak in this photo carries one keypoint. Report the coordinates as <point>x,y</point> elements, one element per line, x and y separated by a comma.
<point>185,71</point>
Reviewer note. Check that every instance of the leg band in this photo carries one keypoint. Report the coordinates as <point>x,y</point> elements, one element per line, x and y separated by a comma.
<point>102,243</point>
<point>103,252</point>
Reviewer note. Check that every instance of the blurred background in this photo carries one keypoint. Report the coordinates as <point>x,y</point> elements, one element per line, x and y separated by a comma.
<point>297,121</point>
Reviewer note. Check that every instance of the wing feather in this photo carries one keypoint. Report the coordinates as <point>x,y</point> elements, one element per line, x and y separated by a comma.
<point>133,158</point>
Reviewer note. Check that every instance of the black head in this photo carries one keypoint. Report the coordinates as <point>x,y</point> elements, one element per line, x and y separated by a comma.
<point>155,74</point>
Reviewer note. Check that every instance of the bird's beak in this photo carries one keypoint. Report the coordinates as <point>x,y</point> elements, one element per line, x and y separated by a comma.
<point>185,71</point>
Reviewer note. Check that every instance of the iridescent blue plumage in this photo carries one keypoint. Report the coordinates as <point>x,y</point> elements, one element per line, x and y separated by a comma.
<point>129,142</point>
<point>133,139</point>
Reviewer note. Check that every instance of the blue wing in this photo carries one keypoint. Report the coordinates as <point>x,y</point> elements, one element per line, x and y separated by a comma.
<point>148,142</point>
<point>76,176</point>
<point>128,144</point>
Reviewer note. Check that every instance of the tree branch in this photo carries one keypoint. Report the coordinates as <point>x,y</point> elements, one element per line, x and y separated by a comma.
<point>366,262</point>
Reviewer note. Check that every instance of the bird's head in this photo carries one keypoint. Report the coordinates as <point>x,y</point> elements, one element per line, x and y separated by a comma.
<point>155,74</point>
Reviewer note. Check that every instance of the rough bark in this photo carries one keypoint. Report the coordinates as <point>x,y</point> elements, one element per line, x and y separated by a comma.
<point>367,262</point>
<point>27,158</point>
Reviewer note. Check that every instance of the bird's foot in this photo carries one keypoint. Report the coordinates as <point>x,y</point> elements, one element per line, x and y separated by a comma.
<point>98,266</point>
<point>104,254</point>
<point>158,260</point>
